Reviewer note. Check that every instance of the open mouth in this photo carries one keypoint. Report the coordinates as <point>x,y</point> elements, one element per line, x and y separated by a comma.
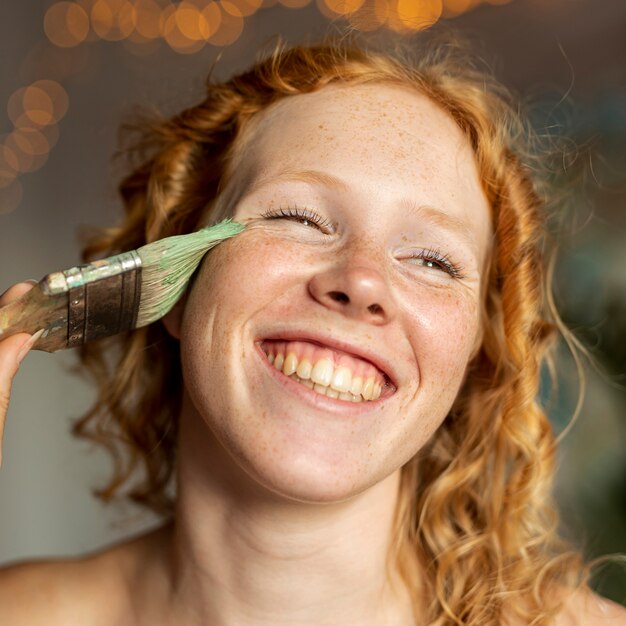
<point>328,371</point>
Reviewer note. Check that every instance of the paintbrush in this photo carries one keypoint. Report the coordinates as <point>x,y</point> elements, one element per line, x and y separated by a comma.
<point>113,295</point>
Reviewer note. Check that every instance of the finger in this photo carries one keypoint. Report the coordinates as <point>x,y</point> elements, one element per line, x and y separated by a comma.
<point>12,350</point>
<point>16,291</point>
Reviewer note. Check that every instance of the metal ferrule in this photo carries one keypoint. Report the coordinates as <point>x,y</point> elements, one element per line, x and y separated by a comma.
<point>103,297</point>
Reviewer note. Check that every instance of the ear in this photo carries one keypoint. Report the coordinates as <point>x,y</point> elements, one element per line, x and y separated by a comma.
<point>174,319</point>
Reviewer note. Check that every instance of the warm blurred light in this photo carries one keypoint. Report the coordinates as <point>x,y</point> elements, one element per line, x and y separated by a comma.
<point>30,141</point>
<point>56,93</point>
<point>247,7</point>
<point>231,25</point>
<point>7,175</point>
<point>414,14</point>
<point>19,160</point>
<point>452,8</point>
<point>147,16</point>
<point>66,24</point>
<point>113,20</point>
<point>190,22</point>
<point>85,5</point>
<point>177,40</point>
<point>294,4</point>
<point>30,106</point>
<point>9,162</point>
<point>174,36</point>
<point>15,105</point>
<point>371,16</point>
<point>212,15</point>
<point>10,197</point>
<point>38,106</point>
<point>343,7</point>
<point>498,2</point>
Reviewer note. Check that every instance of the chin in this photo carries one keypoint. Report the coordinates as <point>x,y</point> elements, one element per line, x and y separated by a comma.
<point>311,480</point>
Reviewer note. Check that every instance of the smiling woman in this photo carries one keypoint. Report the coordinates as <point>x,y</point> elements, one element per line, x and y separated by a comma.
<point>339,420</point>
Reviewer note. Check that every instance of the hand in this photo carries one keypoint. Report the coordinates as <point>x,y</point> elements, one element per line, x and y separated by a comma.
<point>12,350</point>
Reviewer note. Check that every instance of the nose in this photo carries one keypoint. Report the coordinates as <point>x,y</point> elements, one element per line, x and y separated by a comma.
<point>357,291</point>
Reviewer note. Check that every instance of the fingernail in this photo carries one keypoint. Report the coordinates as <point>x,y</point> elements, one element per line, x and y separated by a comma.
<point>25,349</point>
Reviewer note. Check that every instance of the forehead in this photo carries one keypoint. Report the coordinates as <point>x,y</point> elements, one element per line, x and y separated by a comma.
<point>376,130</point>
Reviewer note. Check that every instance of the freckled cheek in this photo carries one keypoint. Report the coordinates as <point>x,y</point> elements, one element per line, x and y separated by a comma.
<point>446,336</point>
<point>241,275</point>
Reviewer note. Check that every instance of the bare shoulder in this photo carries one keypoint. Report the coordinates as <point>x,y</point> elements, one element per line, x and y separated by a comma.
<point>585,608</point>
<point>52,592</point>
<point>91,590</point>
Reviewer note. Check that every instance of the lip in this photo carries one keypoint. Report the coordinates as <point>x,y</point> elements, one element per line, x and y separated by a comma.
<point>337,344</point>
<point>323,403</point>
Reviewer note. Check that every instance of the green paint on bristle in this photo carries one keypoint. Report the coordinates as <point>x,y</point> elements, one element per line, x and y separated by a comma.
<point>168,264</point>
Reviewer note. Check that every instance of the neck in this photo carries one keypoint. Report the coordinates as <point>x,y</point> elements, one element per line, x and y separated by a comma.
<point>243,555</point>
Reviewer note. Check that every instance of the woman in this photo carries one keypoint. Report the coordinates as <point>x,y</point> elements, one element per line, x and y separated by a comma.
<point>346,395</point>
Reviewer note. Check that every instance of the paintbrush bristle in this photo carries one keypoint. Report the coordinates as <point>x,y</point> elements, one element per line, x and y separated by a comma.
<point>167,266</point>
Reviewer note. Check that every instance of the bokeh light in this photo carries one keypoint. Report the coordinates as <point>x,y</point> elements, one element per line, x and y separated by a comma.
<point>231,25</point>
<point>414,15</point>
<point>9,165</point>
<point>147,18</point>
<point>191,22</point>
<point>30,141</point>
<point>186,26</point>
<point>38,106</point>
<point>371,16</point>
<point>113,20</point>
<point>41,104</point>
<point>66,24</point>
<point>213,18</point>
<point>247,7</point>
<point>178,40</point>
<point>20,155</point>
<point>58,95</point>
<point>453,8</point>
<point>340,7</point>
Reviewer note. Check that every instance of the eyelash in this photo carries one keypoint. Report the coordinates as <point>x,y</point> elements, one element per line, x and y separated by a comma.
<point>431,255</point>
<point>428,255</point>
<point>295,213</point>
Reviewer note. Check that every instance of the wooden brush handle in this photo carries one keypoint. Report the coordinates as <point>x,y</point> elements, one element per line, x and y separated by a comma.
<point>77,305</point>
<point>44,306</point>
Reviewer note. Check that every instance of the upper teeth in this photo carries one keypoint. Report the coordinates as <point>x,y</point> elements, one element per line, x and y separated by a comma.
<point>323,377</point>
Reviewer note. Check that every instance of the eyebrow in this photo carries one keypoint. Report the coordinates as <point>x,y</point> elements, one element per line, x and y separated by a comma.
<point>313,177</point>
<point>442,219</point>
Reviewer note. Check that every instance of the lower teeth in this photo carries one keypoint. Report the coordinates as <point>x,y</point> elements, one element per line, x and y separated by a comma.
<point>327,391</point>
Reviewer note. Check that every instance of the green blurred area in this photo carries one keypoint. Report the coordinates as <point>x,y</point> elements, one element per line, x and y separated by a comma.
<point>590,291</point>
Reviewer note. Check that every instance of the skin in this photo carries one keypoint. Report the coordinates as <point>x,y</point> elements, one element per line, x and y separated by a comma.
<point>285,505</point>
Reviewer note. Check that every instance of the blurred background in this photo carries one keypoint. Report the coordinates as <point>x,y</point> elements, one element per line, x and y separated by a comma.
<point>71,72</point>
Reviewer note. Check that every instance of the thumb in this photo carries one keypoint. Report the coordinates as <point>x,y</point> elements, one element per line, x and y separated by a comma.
<point>12,351</point>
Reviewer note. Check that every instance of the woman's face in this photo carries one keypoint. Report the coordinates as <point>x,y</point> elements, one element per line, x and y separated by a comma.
<point>368,231</point>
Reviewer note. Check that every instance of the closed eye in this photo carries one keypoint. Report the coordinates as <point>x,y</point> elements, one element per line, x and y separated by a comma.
<point>306,217</point>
